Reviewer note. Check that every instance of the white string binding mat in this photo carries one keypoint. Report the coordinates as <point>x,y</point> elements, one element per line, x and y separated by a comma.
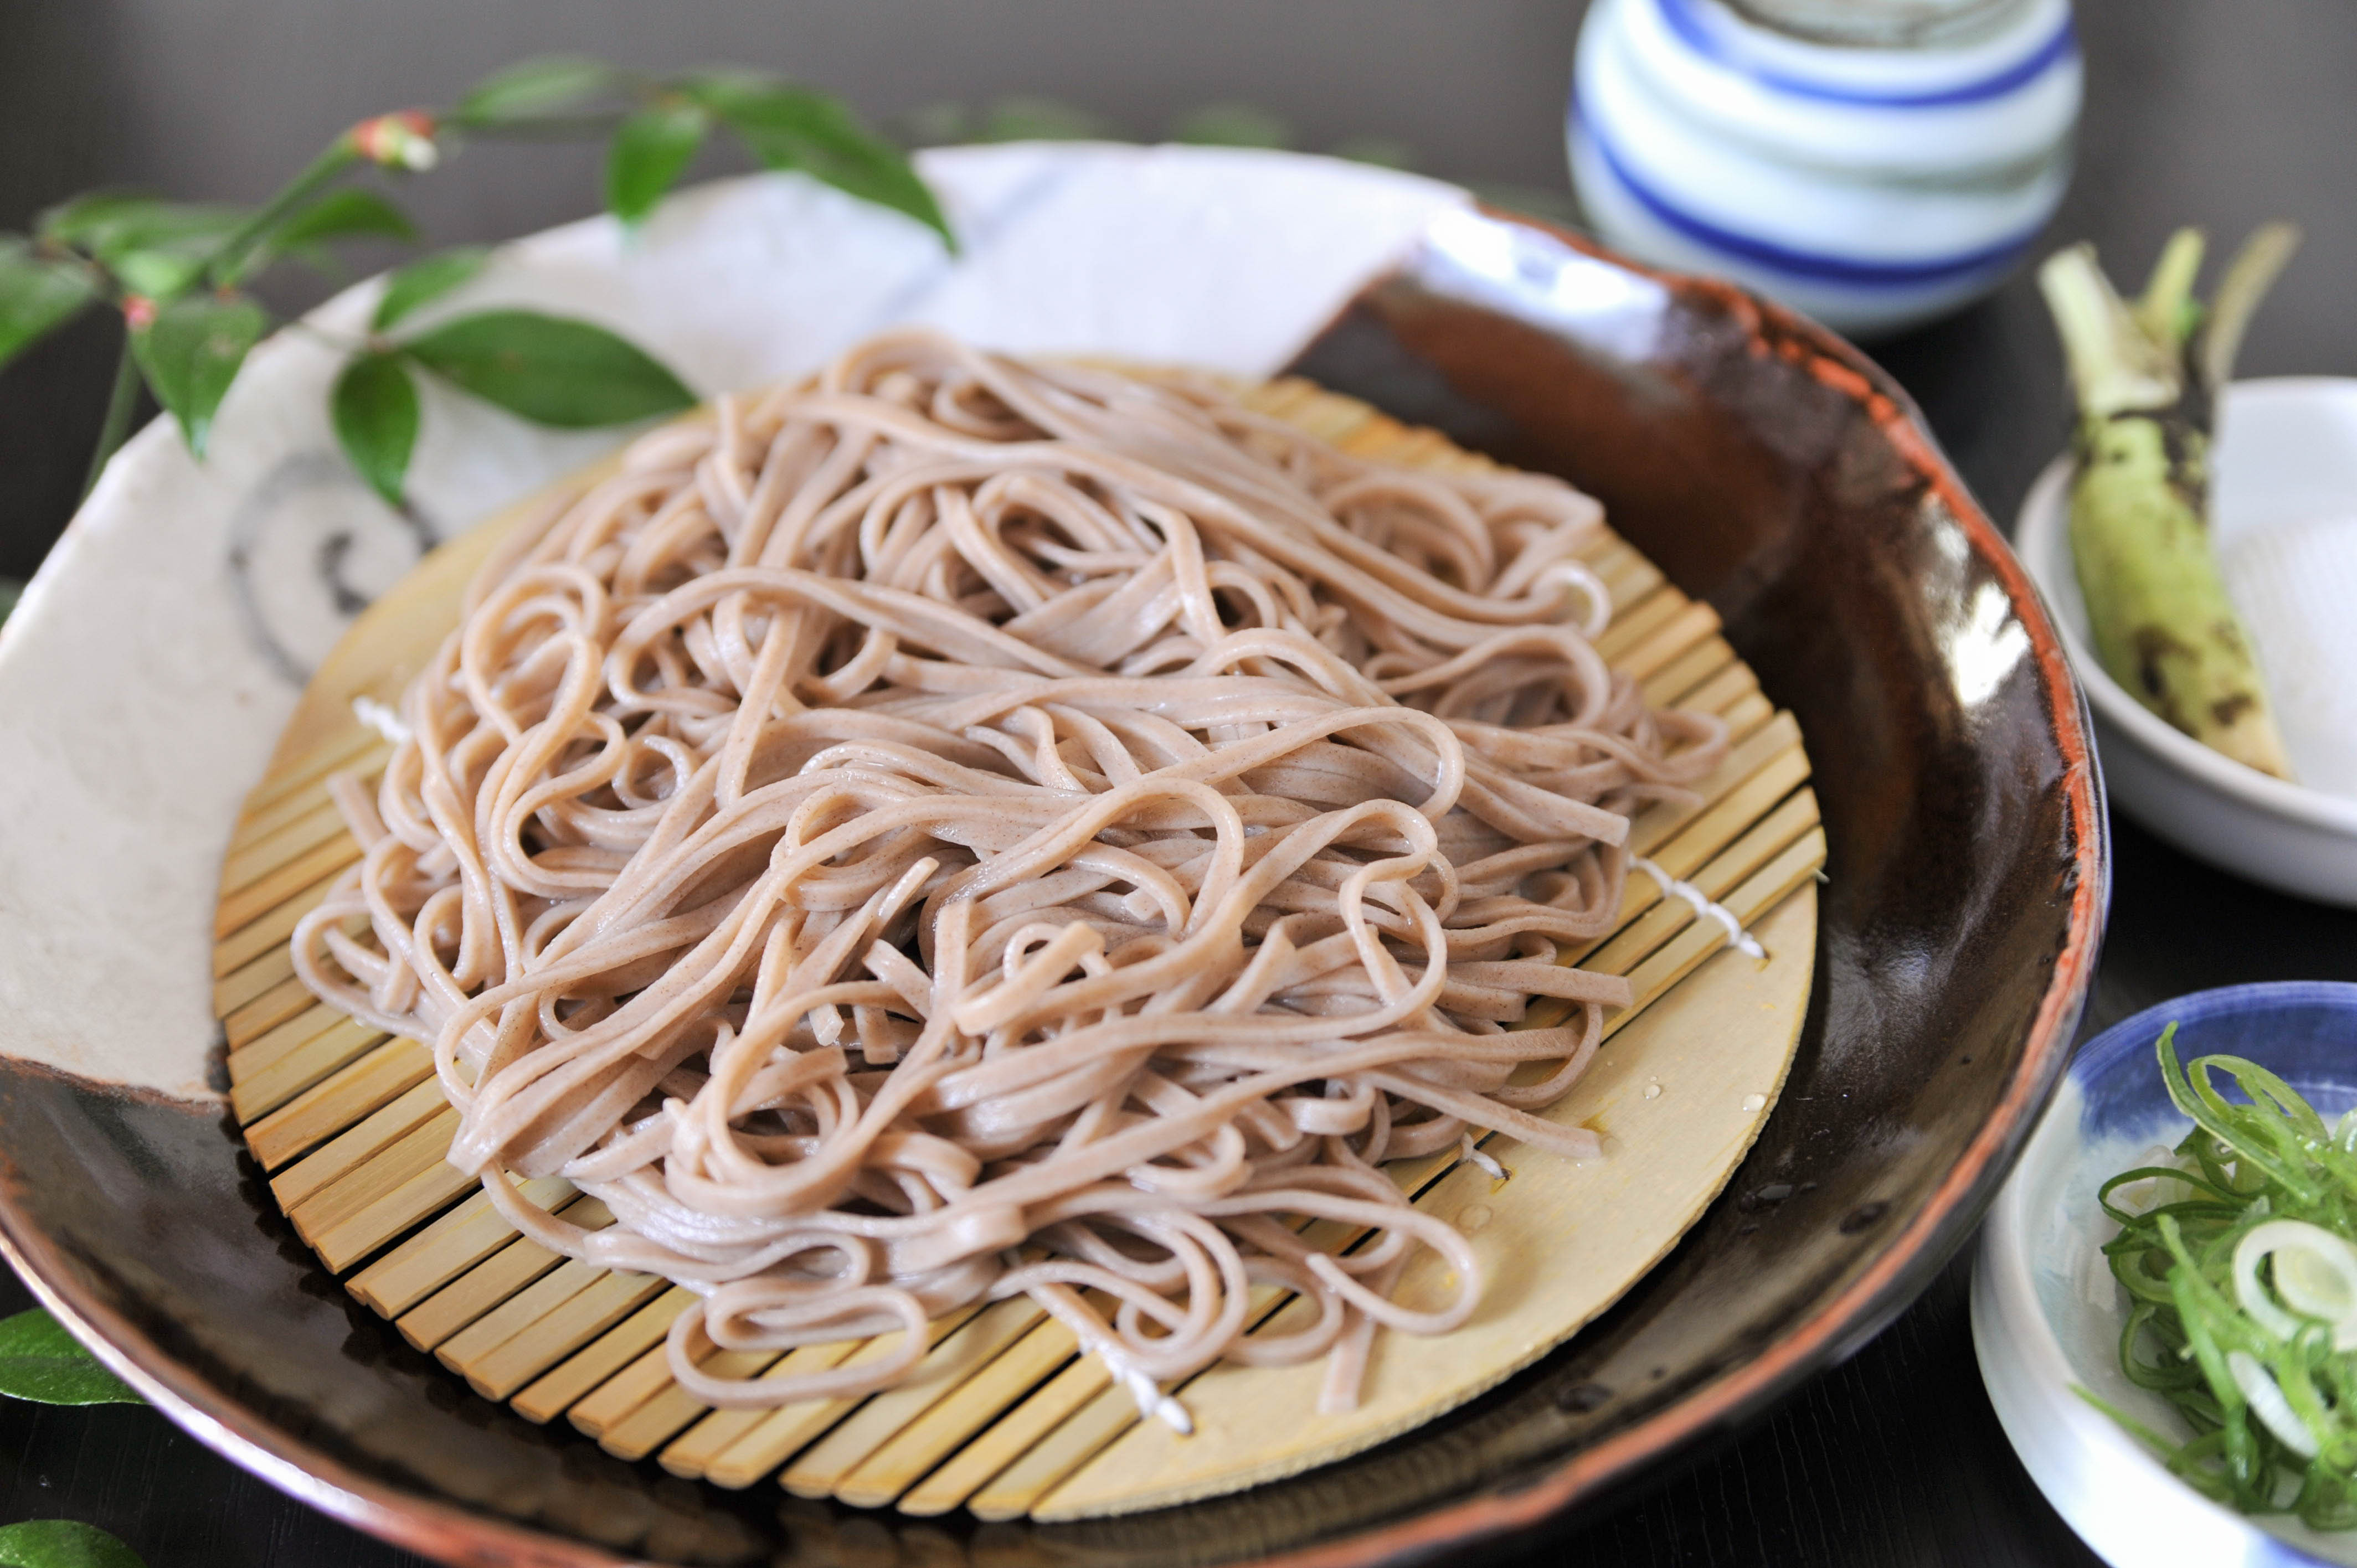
<point>1739,939</point>
<point>380,718</point>
<point>1467,1149</point>
<point>959,828</point>
<point>1152,1403</point>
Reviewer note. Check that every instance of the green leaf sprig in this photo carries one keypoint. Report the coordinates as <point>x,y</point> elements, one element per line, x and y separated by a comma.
<point>41,1362</point>
<point>180,272</point>
<point>551,369</point>
<point>62,1544</point>
<point>661,124</point>
<point>2273,1410</point>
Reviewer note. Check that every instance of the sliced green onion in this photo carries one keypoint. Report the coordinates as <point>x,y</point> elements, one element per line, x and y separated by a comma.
<point>2237,1252</point>
<point>2314,1274</point>
<point>2320,1280</point>
<point>2255,1246</point>
<point>2268,1403</point>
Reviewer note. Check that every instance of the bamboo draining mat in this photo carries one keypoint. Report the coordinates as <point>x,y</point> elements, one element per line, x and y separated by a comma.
<point>1002,1416</point>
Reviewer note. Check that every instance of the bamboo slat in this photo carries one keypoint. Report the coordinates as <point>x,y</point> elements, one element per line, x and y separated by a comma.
<point>352,748</point>
<point>554,1335</point>
<point>443,1251</point>
<point>321,1111</point>
<point>266,1012</point>
<point>266,854</point>
<point>1644,620</point>
<point>302,800</point>
<point>821,1468</point>
<point>403,1206</point>
<point>267,932</point>
<point>649,1376</point>
<point>783,1433</point>
<point>341,1195</point>
<point>291,1058</point>
<point>473,1295</point>
<point>948,1430</point>
<point>1003,1415</point>
<point>594,1364</point>
<point>366,1139</point>
<point>271,888</point>
<point>235,988</point>
<point>658,1419</point>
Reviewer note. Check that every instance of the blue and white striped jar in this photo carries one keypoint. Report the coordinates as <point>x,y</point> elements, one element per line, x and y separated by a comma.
<point>1873,163</point>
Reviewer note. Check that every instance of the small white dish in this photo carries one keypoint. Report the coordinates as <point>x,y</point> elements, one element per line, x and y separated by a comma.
<point>2287,454</point>
<point>2047,1311</point>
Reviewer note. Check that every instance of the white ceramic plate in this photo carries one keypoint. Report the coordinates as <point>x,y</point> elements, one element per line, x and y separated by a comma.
<point>2287,454</point>
<point>155,658</point>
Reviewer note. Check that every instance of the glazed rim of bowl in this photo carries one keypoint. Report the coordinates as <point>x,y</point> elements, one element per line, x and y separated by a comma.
<point>2044,515</point>
<point>1881,1289</point>
<point>2200,1005</point>
<point>2029,1334</point>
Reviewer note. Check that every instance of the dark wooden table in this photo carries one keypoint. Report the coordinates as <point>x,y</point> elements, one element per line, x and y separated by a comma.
<point>2218,111</point>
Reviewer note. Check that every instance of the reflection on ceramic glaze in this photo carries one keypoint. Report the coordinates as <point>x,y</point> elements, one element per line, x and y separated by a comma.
<point>309,548</point>
<point>1539,278</point>
<point>1985,645</point>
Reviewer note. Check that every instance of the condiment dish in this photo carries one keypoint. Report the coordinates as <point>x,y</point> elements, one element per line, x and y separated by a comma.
<point>2286,457</point>
<point>2047,1311</point>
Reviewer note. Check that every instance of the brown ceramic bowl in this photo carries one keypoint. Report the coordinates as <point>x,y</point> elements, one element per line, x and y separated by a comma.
<point>1769,469</point>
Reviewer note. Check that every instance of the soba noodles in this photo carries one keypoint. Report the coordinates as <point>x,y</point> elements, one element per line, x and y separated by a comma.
<point>960,827</point>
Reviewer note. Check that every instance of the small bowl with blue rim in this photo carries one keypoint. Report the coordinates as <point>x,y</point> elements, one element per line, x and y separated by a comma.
<point>2047,1313</point>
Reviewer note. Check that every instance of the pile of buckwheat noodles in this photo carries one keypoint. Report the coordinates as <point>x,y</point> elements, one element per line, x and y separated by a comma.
<point>959,827</point>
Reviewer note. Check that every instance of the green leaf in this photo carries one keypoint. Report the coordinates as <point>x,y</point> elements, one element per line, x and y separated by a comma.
<point>1233,125</point>
<point>73,222</point>
<point>158,274</point>
<point>535,88</point>
<point>190,353</point>
<point>375,408</point>
<point>650,151</point>
<point>113,224</point>
<point>350,213</point>
<point>788,128</point>
<point>1384,152</point>
<point>425,279</point>
<point>62,1544</point>
<point>1040,120</point>
<point>157,249</point>
<point>41,1362</point>
<point>347,214</point>
<point>935,125</point>
<point>37,295</point>
<point>550,368</point>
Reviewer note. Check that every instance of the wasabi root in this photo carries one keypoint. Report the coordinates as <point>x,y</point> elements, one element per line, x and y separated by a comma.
<point>2147,376</point>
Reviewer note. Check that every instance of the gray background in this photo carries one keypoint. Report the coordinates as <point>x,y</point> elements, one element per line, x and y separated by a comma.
<point>2206,110</point>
